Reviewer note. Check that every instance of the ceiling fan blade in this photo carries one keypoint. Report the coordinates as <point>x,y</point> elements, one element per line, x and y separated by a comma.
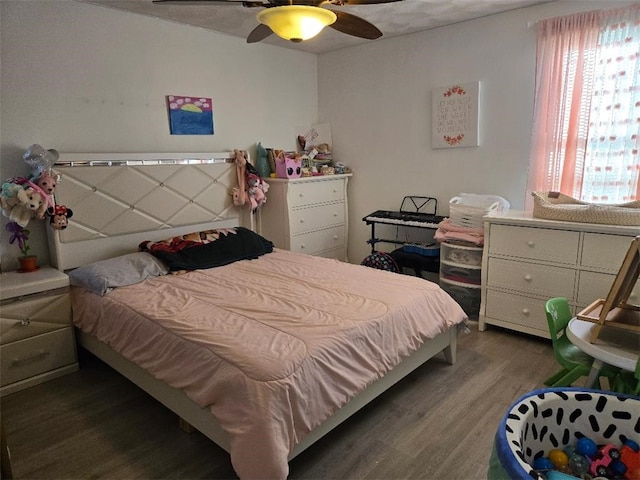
<point>244,3</point>
<point>259,33</point>
<point>356,26</point>
<point>361,2</point>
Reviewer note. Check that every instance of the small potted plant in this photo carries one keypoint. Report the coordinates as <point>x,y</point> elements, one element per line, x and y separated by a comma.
<point>20,235</point>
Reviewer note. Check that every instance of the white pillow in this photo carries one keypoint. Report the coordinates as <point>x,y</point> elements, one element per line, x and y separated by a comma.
<point>101,277</point>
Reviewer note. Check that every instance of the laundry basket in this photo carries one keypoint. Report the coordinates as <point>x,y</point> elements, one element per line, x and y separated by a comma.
<point>467,209</point>
<point>553,418</point>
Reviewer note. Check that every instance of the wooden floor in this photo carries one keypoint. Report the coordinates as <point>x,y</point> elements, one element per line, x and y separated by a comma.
<point>438,423</point>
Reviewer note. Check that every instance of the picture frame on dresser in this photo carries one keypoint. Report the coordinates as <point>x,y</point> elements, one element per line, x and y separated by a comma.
<point>527,260</point>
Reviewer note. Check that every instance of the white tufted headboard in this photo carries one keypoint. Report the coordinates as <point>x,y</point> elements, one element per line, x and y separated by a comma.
<point>119,200</point>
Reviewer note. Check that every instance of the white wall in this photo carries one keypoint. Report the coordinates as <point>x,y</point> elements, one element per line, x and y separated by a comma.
<point>377,98</point>
<point>83,78</point>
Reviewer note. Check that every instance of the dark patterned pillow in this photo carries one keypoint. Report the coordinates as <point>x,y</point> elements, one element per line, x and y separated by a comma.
<point>209,248</point>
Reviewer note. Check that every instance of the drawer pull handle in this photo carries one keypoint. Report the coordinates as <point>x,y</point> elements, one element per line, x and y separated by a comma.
<point>19,362</point>
<point>528,277</point>
<point>531,243</point>
<point>525,311</point>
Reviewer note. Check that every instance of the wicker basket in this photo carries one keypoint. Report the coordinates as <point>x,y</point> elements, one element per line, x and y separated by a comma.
<point>557,206</point>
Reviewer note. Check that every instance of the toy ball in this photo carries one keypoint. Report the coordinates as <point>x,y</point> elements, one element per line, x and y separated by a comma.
<point>542,463</point>
<point>559,459</point>
<point>586,447</point>
<point>578,464</point>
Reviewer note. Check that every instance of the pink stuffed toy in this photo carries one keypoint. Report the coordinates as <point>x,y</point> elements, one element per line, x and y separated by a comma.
<point>251,188</point>
<point>47,182</point>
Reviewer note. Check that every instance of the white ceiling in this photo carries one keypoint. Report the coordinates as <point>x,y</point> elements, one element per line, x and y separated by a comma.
<point>393,19</point>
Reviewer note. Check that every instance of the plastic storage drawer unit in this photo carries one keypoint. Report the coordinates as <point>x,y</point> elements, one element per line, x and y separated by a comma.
<point>467,295</point>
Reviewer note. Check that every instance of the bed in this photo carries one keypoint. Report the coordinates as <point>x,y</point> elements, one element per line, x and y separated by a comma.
<point>263,353</point>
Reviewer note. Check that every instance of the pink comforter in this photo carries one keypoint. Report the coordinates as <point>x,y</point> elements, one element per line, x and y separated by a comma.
<point>272,346</point>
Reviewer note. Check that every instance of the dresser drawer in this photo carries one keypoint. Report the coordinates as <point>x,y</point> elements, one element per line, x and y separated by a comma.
<point>604,252</point>
<point>592,286</point>
<point>318,241</point>
<point>337,254</point>
<point>307,193</point>
<point>518,310</point>
<point>556,246</point>
<point>534,279</point>
<point>315,218</point>
<point>35,355</point>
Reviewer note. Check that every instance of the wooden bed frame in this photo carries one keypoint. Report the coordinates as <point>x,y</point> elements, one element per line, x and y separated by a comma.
<point>91,183</point>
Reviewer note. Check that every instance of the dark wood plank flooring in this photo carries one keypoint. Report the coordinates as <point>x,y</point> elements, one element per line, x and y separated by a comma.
<point>438,423</point>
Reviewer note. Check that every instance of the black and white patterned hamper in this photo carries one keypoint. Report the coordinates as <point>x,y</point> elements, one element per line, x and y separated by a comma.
<point>554,418</point>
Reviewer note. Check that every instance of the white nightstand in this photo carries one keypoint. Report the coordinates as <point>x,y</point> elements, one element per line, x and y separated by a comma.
<point>37,341</point>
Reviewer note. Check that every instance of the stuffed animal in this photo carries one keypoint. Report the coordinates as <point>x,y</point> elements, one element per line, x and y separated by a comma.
<point>256,189</point>
<point>59,216</point>
<point>47,182</point>
<point>26,204</point>
<point>251,188</point>
<point>9,196</point>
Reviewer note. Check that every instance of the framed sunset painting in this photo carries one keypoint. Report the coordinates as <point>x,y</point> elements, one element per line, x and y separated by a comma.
<point>190,115</point>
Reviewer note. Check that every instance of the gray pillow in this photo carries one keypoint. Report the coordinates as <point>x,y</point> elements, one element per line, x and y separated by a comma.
<point>101,277</point>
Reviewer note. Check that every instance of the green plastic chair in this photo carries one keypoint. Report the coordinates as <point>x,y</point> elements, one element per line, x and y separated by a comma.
<point>575,363</point>
<point>628,382</point>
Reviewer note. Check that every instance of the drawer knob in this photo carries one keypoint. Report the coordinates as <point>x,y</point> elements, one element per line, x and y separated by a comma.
<point>301,246</point>
<point>335,237</point>
<point>335,214</point>
<point>531,243</point>
<point>528,277</point>
<point>302,220</point>
<point>301,195</point>
<point>525,311</point>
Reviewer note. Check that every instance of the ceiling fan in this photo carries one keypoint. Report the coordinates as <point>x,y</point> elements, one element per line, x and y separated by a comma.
<point>299,20</point>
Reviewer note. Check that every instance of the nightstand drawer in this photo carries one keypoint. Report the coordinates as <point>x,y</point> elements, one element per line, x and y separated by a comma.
<point>315,218</point>
<point>301,194</point>
<point>547,245</point>
<point>315,242</point>
<point>35,355</point>
<point>31,315</point>
<point>531,278</point>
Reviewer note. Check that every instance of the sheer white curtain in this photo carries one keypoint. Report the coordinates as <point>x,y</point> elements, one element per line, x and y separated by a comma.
<point>586,132</point>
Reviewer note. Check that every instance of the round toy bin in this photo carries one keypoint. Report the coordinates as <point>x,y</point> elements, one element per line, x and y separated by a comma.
<point>554,418</point>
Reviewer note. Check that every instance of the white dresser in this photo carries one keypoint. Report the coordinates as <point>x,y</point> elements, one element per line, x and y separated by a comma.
<point>37,341</point>
<point>528,260</point>
<point>307,215</point>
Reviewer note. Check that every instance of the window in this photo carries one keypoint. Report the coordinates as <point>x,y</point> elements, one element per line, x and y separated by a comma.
<point>586,131</point>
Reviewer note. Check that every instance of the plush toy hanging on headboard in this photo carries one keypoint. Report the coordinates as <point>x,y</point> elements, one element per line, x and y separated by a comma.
<point>251,187</point>
<point>25,198</point>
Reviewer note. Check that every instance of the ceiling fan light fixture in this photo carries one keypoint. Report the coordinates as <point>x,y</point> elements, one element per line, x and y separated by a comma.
<point>296,22</point>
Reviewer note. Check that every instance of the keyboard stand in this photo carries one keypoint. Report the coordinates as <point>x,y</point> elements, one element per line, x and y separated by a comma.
<point>412,214</point>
